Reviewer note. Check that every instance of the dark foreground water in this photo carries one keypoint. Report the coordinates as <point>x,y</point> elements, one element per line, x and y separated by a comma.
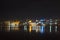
<point>28,36</point>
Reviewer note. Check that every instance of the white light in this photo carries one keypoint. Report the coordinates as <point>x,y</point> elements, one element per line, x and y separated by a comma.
<point>55,22</point>
<point>50,28</point>
<point>25,27</point>
<point>12,25</point>
<point>39,22</point>
<point>33,28</point>
<point>55,28</point>
<point>50,23</point>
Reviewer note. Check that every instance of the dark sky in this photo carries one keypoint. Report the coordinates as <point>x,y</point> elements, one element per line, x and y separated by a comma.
<point>27,9</point>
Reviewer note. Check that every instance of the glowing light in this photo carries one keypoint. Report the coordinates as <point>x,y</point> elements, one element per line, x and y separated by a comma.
<point>15,24</point>
<point>51,21</point>
<point>43,25</point>
<point>34,28</point>
<point>25,28</point>
<point>50,28</point>
<point>12,25</point>
<point>30,21</point>
<point>56,25</point>
<point>51,25</point>
<point>36,20</point>
<point>37,28</point>
<point>39,22</point>
<point>55,28</point>
<point>30,28</point>
<point>33,25</point>
<point>55,22</point>
<point>41,29</point>
<point>7,23</point>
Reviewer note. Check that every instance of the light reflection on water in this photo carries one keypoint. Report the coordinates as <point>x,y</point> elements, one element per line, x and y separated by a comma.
<point>8,29</point>
<point>30,29</point>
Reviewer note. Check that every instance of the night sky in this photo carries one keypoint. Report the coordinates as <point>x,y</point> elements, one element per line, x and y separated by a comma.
<point>29,9</point>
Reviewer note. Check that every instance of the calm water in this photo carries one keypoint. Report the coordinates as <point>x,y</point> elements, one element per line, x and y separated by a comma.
<point>20,33</point>
<point>29,36</point>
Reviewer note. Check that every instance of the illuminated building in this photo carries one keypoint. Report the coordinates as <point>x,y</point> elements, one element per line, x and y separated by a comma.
<point>55,25</point>
<point>25,26</point>
<point>42,27</point>
<point>37,21</point>
<point>33,24</point>
<point>12,25</point>
<point>38,27</point>
<point>15,25</point>
<point>55,28</point>
<point>30,28</point>
<point>7,23</point>
<point>50,25</point>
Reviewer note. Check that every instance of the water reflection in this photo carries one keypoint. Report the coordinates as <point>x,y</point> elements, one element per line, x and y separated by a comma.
<point>40,29</point>
<point>30,28</point>
<point>41,26</point>
<point>8,25</point>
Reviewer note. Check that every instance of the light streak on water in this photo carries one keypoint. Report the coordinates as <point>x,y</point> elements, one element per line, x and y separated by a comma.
<point>30,28</point>
<point>50,28</point>
<point>25,28</point>
<point>55,28</point>
<point>42,29</point>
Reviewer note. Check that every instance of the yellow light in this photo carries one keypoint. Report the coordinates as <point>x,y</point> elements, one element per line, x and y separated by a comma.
<point>7,23</point>
<point>12,25</point>
<point>30,21</point>
<point>30,28</point>
<point>15,24</point>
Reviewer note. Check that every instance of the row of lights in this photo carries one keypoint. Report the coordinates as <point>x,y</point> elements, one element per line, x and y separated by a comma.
<point>42,28</point>
<point>16,24</point>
